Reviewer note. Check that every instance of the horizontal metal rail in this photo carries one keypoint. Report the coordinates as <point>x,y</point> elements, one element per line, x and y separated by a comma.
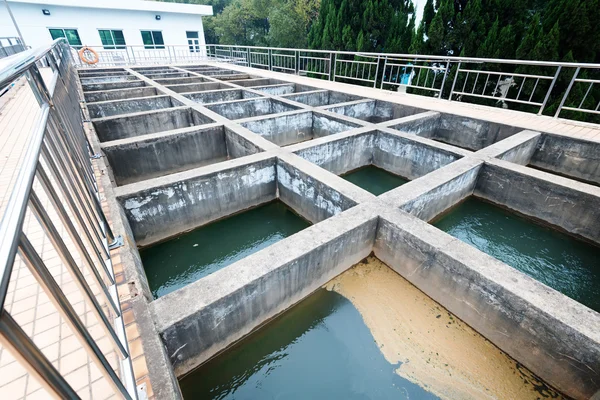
<point>501,81</point>
<point>56,183</point>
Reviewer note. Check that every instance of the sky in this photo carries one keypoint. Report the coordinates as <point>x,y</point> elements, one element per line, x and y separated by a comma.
<point>419,5</point>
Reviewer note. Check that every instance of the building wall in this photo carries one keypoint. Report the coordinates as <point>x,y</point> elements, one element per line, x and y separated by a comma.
<point>34,24</point>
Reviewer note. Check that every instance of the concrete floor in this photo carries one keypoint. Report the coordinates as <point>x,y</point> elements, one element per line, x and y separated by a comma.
<point>185,146</point>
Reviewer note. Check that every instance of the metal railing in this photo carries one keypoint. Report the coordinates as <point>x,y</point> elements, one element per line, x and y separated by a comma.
<point>521,84</point>
<point>10,46</point>
<point>56,184</point>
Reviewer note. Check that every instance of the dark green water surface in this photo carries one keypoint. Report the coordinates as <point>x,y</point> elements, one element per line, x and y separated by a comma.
<point>566,264</point>
<point>177,262</point>
<point>319,349</point>
<point>374,180</point>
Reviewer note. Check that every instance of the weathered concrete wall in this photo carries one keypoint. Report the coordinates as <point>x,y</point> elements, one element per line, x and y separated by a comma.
<point>107,79</point>
<point>120,94</point>
<point>464,132</point>
<point>408,158</point>
<point>203,318</point>
<point>249,108</point>
<point>167,206</point>
<point>309,197</point>
<point>258,82</point>
<point>180,81</point>
<point>295,128</point>
<point>214,96</point>
<point>430,197</point>
<point>342,155</point>
<point>117,107</point>
<point>197,87</point>
<point>314,99</point>
<point>567,156</point>
<point>284,130</point>
<point>94,87</point>
<point>552,335</point>
<point>167,75</point>
<point>517,148</point>
<point>276,90</point>
<point>569,205</point>
<point>325,125</point>
<point>376,111</point>
<point>113,128</point>
<point>133,160</point>
<point>238,146</point>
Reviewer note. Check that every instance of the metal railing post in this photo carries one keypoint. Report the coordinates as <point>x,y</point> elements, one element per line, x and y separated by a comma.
<point>332,61</point>
<point>270,61</point>
<point>562,102</point>
<point>549,91</point>
<point>454,82</point>
<point>376,72</point>
<point>446,72</point>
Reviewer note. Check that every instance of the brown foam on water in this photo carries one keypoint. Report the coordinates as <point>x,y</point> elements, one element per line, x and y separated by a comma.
<point>436,350</point>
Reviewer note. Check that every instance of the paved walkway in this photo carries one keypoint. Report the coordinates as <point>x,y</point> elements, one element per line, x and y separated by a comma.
<point>516,118</point>
<point>26,300</point>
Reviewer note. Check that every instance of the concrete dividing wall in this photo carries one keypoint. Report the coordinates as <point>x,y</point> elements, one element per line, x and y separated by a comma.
<point>294,128</point>
<point>180,81</point>
<point>343,154</point>
<point>238,146</point>
<point>133,160</point>
<point>552,335</point>
<point>214,96</point>
<point>89,87</point>
<point>408,158</point>
<point>197,87</point>
<point>435,194</point>
<point>117,107</point>
<point>375,111</point>
<point>201,319</point>
<point>107,79</point>
<point>569,205</point>
<point>311,198</point>
<point>114,128</point>
<point>464,132</point>
<point>120,94</point>
<point>258,82</point>
<point>249,108</point>
<point>163,207</point>
<point>567,156</point>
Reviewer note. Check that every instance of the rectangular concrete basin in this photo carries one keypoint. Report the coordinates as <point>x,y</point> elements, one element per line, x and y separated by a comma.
<point>464,132</point>
<point>319,98</point>
<point>94,87</point>
<point>250,108</point>
<point>217,96</point>
<point>128,106</point>
<point>164,207</point>
<point>143,123</point>
<point>180,81</point>
<point>284,88</point>
<point>253,82</point>
<point>198,87</point>
<point>375,111</point>
<point>135,159</point>
<point>394,153</point>
<point>295,128</point>
<point>121,94</point>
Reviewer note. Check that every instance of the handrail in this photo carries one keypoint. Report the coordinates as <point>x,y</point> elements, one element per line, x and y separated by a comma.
<point>466,79</point>
<point>58,145</point>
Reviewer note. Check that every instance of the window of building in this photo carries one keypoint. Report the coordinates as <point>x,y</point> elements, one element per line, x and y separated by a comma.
<point>71,35</point>
<point>112,39</point>
<point>153,40</point>
<point>194,41</point>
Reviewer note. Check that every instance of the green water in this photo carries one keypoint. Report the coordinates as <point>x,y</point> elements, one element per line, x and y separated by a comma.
<point>374,180</point>
<point>185,259</point>
<point>319,349</point>
<point>568,265</point>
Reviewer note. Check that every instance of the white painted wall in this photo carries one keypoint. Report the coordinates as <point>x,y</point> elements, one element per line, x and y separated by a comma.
<point>34,25</point>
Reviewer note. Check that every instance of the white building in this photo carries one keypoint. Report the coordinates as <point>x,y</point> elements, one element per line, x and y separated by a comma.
<point>106,24</point>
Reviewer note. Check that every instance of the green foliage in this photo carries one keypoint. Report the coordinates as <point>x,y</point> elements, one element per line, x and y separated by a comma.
<point>365,25</point>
